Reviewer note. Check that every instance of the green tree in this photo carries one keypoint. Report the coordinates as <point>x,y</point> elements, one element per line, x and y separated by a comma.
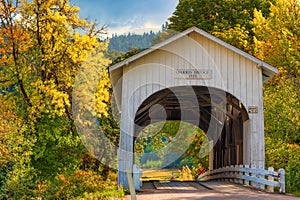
<point>277,41</point>
<point>230,20</point>
<point>215,15</point>
<point>171,140</point>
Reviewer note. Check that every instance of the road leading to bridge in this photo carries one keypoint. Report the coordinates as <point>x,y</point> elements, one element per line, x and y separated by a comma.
<point>165,190</point>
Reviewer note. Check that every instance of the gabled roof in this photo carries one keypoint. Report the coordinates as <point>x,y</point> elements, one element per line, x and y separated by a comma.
<point>268,70</point>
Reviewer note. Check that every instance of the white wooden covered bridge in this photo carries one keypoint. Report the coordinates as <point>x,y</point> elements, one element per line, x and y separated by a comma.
<point>196,78</point>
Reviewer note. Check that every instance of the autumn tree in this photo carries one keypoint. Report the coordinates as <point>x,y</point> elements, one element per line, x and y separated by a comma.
<point>228,20</point>
<point>215,15</point>
<point>277,41</point>
<point>43,45</point>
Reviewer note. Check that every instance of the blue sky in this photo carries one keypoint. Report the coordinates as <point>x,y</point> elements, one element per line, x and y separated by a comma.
<point>123,16</point>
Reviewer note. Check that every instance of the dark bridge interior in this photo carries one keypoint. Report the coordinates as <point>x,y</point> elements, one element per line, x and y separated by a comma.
<point>219,114</point>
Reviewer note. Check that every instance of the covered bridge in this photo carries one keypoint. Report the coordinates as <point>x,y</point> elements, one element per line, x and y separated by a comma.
<point>197,78</point>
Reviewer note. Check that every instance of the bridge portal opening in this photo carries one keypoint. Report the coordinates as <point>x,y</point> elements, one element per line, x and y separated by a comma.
<point>170,146</point>
<point>219,114</point>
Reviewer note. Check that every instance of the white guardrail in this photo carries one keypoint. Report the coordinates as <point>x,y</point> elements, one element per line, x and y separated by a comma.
<point>251,176</point>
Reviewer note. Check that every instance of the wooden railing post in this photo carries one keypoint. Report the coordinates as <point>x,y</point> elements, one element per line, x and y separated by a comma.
<point>254,184</point>
<point>270,178</point>
<point>231,174</point>
<point>246,182</point>
<point>260,185</point>
<point>240,174</point>
<point>235,174</point>
<point>227,174</point>
<point>281,174</point>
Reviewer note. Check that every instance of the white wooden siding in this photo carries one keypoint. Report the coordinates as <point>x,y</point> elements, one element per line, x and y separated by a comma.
<point>231,72</point>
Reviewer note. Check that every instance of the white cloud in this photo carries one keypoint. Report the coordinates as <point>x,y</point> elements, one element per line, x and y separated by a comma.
<point>123,16</point>
<point>130,28</point>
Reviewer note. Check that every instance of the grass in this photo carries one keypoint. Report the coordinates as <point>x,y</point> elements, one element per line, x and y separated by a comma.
<point>160,175</point>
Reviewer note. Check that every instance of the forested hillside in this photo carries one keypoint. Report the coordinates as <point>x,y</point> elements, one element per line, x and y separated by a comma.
<point>124,42</point>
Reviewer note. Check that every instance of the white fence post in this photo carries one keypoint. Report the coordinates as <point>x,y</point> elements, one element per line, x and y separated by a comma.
<point>231,174</point>
<point>261,176</point>
<point>281,174</point>
<point>270,178</point>
<point>236,174</point>
<point>227,174</point>
<point>254,184</point>
<point>246,182</point>
<point>240,174</point>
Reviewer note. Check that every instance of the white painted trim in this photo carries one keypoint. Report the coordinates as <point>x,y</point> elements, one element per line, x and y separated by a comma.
<point>270,70</point>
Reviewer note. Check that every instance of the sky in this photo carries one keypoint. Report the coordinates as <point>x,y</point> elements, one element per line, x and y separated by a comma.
<point>123,16</point>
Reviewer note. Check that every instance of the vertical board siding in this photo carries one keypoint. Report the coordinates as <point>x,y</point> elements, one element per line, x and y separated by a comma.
<point>249,79</point>
<point>223,66</point>
<point>243,69</point>
<point>237,76</point>
<point>231,72</point>
<point>169,71</point>
<point>261,118</point>
<point>217,63</point>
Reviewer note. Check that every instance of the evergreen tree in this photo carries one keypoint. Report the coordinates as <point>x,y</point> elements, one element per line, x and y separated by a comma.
<point>125,41</point>
<point>215,15</point>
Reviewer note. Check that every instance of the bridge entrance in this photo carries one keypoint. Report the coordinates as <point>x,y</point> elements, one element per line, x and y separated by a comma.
<point>219,114</point>
<point>196,78</point>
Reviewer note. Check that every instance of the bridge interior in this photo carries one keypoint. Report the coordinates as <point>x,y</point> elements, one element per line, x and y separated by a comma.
<point>219,114</point>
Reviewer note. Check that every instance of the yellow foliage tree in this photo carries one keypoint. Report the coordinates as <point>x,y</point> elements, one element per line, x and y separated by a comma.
<point>277,41</point>
<point>43,44</point>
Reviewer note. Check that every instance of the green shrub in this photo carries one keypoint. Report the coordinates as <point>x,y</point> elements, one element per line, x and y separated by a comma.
<point>21,183</point>
<point>24,184</point>
<point>82,185</point>
<point>293,177</point>
<point>103,195</point>
<point>5,168</point>
<point>280,154</point>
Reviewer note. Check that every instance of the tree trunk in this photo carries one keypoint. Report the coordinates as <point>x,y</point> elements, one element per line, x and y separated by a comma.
<point>106,170</point>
